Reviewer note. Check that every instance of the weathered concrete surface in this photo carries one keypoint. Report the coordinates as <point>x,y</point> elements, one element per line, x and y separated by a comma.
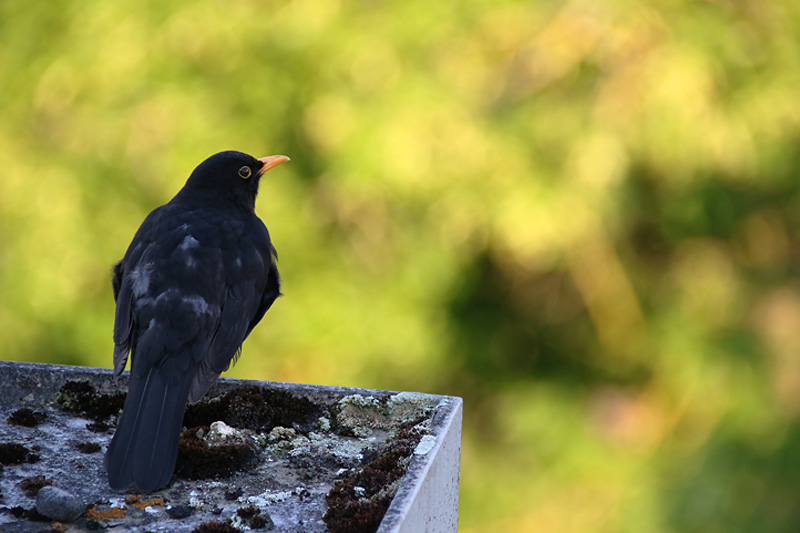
<point>430,502</point>
<point>288,484</point>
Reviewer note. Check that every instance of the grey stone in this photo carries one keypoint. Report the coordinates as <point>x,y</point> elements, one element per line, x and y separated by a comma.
<point>59,504</point>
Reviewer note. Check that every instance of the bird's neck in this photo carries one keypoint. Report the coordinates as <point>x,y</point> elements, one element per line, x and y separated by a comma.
<point>229,200</point>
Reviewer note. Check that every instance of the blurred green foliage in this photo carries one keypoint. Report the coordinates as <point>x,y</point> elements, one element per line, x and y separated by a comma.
<point>583,217</point>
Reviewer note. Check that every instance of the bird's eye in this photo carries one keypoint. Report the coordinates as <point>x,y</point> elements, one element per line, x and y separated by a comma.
<point>245,172</point>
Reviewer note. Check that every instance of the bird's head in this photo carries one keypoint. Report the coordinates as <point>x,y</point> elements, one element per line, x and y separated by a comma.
<point>232,175</point>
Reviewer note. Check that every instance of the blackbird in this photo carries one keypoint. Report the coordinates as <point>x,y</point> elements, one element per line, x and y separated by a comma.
<point>198,276</point>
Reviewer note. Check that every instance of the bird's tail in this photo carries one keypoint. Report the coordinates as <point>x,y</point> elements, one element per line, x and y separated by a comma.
<point>145,446</point>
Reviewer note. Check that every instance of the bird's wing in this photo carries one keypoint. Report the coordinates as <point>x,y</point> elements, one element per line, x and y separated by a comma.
<point>122,283</point>
<point>122,319</point>
<point>252,284</point>
<point>271,291</point>
<point>116,278</point>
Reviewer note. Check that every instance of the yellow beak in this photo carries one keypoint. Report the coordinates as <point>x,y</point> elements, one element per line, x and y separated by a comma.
<point>271,161</point>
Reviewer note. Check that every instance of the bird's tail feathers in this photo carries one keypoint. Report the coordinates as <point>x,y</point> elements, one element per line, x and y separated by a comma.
<point>145,445</point>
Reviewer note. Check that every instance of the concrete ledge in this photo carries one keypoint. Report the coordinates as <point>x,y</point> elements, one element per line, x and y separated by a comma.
<point>289,484</point>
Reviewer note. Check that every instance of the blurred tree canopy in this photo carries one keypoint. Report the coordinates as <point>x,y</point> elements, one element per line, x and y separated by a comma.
<point>583,217</point>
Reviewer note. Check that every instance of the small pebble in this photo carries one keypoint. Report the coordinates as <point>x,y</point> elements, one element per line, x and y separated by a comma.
<point>233,494</point>
<point>179,511</point>
<point>220,433</point>
<point>58,504</point>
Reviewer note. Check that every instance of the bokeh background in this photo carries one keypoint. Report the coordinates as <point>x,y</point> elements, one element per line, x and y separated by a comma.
<point>583,217</point>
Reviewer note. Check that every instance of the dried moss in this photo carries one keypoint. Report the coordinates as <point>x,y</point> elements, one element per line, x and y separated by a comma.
<point>12,453</point>
<point>254,518</point>
<point>358,503</point>
<point>255,408</point>
<point>215,526</point>
<point>31,485</point>
<point>198,460</point>
<point>87,447</point>
<point>26,417</point>
<point>81,397</point>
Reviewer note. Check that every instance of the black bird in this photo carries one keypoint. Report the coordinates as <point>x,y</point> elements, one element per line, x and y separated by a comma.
<point>198,276</point>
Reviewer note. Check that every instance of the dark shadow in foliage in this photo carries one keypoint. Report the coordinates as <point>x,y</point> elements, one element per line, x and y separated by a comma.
<point>737,485</point>
<point>512,324</point>
<point>709,207</point>
<point>712,206</point>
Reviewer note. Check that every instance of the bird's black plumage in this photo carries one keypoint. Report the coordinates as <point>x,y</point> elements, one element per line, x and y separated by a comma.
<point>198,276</point>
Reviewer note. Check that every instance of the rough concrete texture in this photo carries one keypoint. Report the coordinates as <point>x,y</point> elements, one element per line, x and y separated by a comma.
<point>283,489</point>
